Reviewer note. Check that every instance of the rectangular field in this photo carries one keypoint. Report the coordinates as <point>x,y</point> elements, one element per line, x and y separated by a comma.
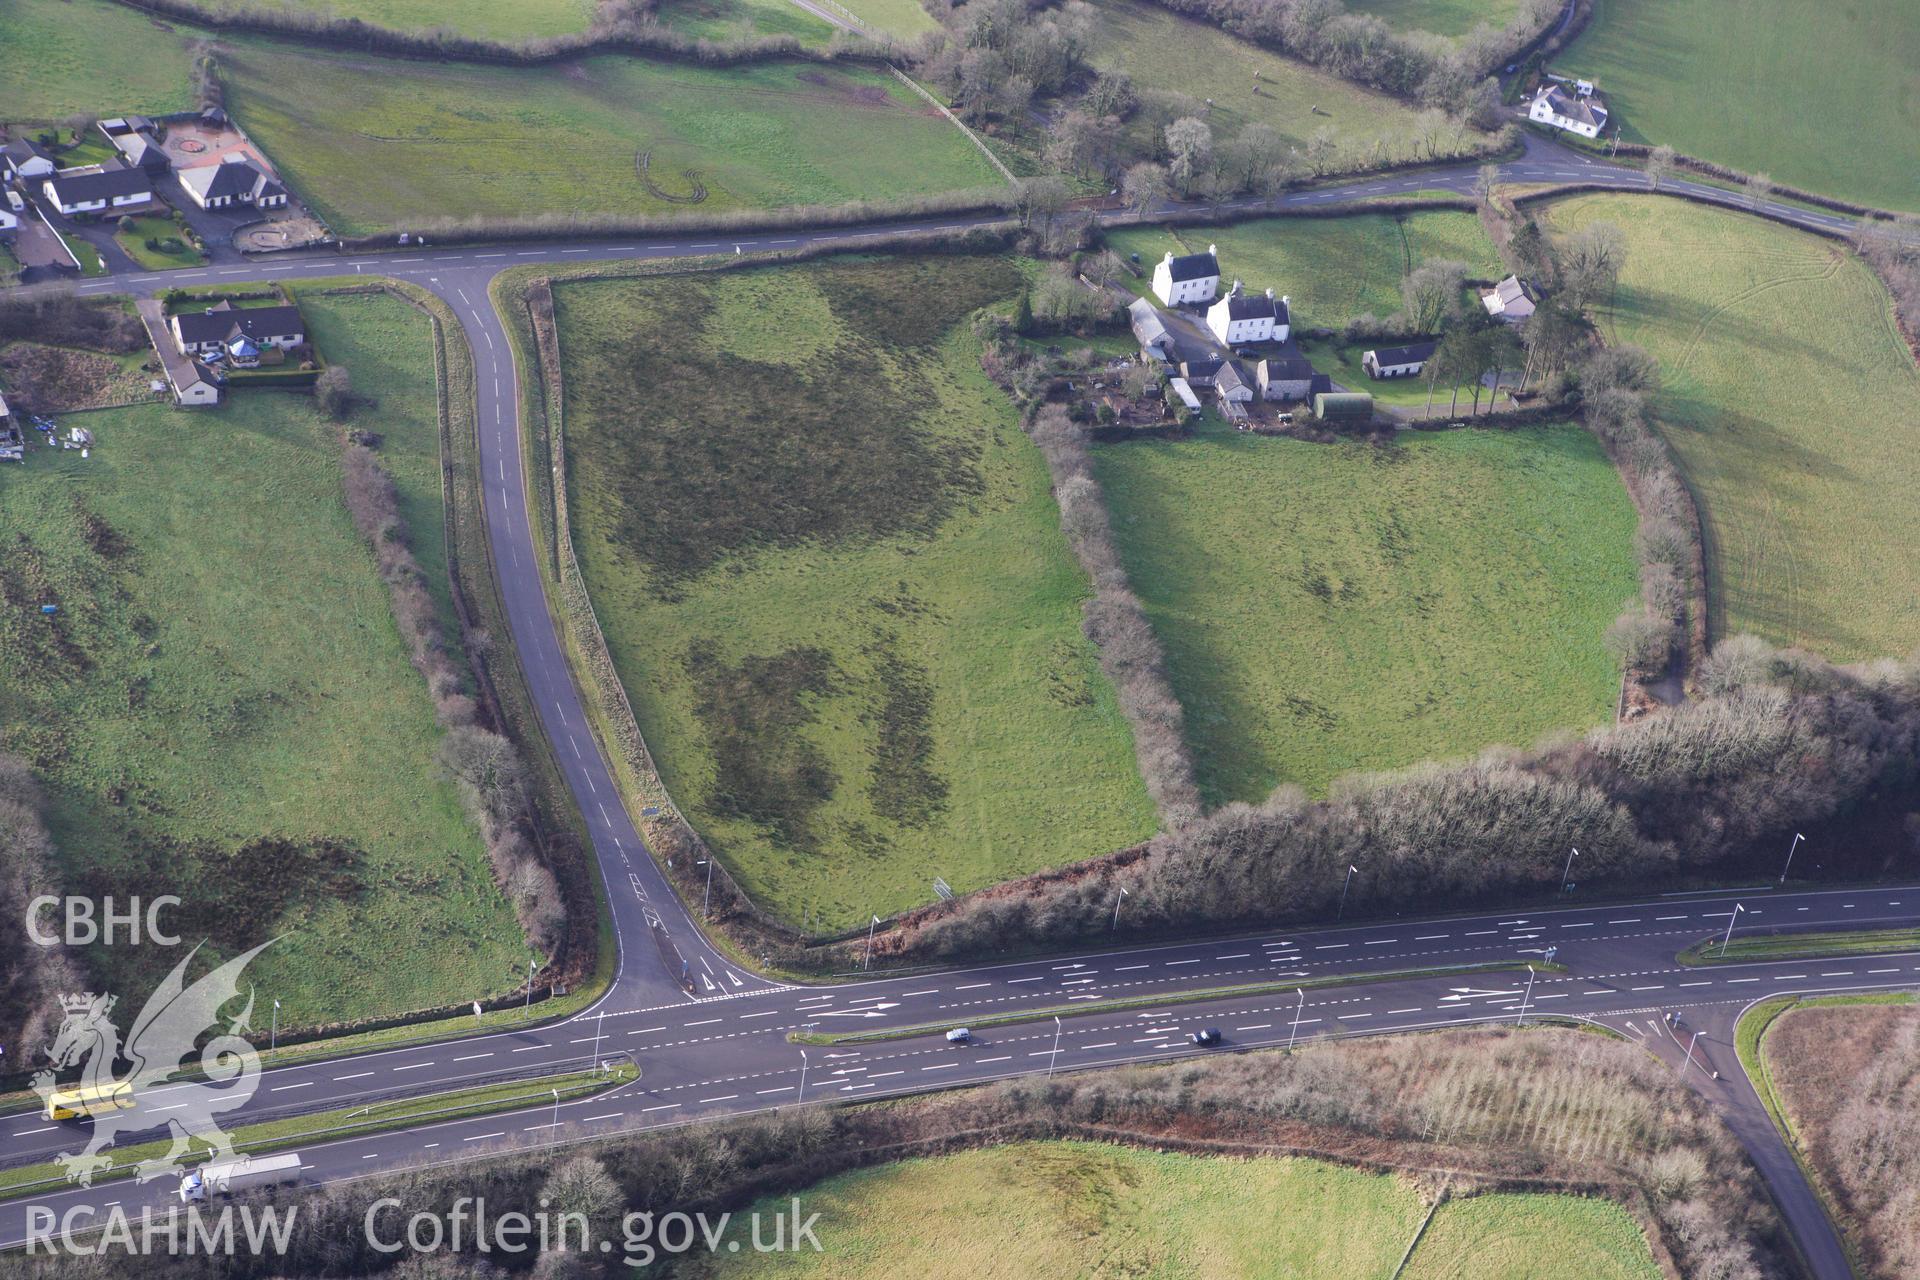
<point>223,709</point>
<point>1821,96</point>
<point>1328,608</point>
<point>374,143</point>
<point>831,575</point>
<point>1333,268</point>
<point>90,57</point>
<point>489,20</point>
<point>738,19</point>
<point>1441,17</point>
<point>1041,1210</point>
<point>1793,403</point>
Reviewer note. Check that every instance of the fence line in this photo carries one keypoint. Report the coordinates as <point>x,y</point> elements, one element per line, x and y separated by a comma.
<point>942,108</point>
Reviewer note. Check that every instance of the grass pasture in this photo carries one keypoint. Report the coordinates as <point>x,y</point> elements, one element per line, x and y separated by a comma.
<point>1822,97</point>
<point>902,19</point>
<point>90,57</point>
<point>373,143</point>
<point>1053,1210</point>
<point>1333,268</point>
<point>222,707</point>
<point>1327,608</point>
<point>738,19</point>
<point>1793,404</point>
<point>1440,17</point>
<point>1165,53</point>
<point>521,20</point>
<point>830,574</point>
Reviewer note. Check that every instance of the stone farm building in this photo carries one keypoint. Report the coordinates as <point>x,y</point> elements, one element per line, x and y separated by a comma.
<point>1288,376</point>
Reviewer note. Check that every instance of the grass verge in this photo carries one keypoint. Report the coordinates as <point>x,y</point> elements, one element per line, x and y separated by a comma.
<point>1181,997</point>
<point>1802,946</point>
<point>345,1122</point>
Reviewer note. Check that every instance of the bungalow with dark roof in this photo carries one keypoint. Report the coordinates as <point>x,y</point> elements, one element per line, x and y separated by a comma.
<point>1191,278</point>
<point>1398,362</point>
<point>22,159</point>
<point>238,332</point>
<point>77,191</point>
<point>218,186</point>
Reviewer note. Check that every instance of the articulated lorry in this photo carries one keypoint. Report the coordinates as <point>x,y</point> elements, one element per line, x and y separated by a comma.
<point>244,1174</point>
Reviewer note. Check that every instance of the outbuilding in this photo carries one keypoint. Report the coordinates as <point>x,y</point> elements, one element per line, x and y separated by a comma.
<point>1343,406</point>
<point>1398,362</point>
<point>1285,377</point>
<point>1182,393</point>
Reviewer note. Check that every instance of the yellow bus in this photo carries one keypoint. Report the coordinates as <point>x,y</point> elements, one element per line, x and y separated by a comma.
<point>71,1104</point>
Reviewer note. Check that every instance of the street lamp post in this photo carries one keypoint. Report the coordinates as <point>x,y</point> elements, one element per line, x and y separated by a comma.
<point>706,896</point>
<point>599,1023</point>
<point>556,1110</point>
<point>1054,1057</point>
<point>1689,1062</point>
<point>800,1095</point>
<point>1737,909</point>
<point>868,963</point>
<point>1524,999</point>
<point>1116,910</point>
<point>1797,838</point>
<point>273,1037</point>
<point>1299,1009</point>
<point>531,965</point>
<point>1566,876</point>
<point>1344,886</point>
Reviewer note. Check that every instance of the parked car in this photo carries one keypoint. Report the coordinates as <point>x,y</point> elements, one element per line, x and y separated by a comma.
<point>959,1035</point>
<point>1206,1037</point>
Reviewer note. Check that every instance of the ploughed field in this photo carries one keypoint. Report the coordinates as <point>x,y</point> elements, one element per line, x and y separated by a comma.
<point>832,579</point>
<point>222,708</point>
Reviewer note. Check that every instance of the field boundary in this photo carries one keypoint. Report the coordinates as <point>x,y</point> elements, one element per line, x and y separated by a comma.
<point>952,119</point>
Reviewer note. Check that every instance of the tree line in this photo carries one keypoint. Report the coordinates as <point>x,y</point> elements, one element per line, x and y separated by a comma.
<point>1775,740</point>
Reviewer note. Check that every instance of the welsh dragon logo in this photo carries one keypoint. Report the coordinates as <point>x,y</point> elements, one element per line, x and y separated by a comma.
<point>163,1037</point>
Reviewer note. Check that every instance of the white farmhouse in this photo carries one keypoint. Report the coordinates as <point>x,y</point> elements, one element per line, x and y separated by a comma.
<point>1192,278</point>
<point>1581,113</point>
<point>1240,317</point>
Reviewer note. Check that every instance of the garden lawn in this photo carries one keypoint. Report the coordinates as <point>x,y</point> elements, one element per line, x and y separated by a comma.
<point>1054,1210</point>
<point>372,143</point>
<point>1327,608</point>
<point>1332,268</point>
<point>492,20</point>
<point>174,251</point>
<point>90,57</point>
<point>223,709</point>
<point>742,19</point>
<point>1441,17</point>
<point>1164,53</point>
<point>1794,405</point>
<point>832,579</point>
<point>1821,96</point>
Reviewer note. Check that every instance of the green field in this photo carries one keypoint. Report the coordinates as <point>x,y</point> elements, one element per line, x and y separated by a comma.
<point>223,709</point>
<point>1793,404</point>
<point>89,57</point>
<point>831,576</point>
<point>372,143</point>
<point>743,19</point>
<point>1060,1210</point>
<point>900,18</point>
<point>1823,97</point>
<point>1333,268</point>
<point>493,20</point>
<point>1164,53</point>
<point>1441,17</point>
<point>1327,608</point>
